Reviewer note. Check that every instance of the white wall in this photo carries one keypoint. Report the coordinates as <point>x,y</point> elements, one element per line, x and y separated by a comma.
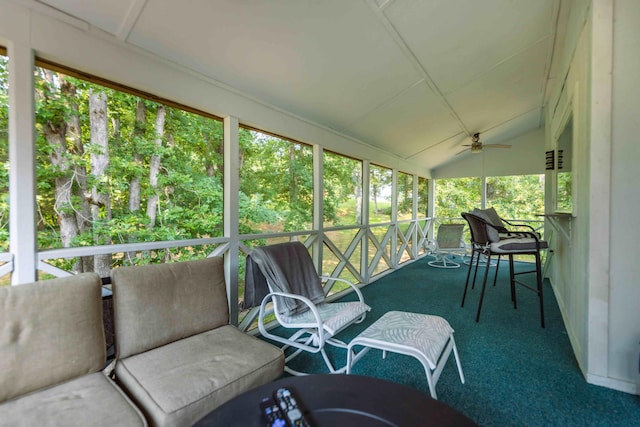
<point>569,239</point>
<point>624,322</point>
<point>525,157</point>
<point>595,273</point>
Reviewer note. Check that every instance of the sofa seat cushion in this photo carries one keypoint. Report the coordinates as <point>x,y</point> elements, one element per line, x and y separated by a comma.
<point>181,382</point>
<point>88,400</point>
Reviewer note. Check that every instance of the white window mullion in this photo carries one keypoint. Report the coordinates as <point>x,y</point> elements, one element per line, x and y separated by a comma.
<point>364,258</point>
<point>231,211</point>
<point>395,257</point>
<point>318,205</point>
<point>23,239</point>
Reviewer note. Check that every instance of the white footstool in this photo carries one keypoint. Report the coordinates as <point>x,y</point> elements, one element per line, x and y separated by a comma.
<point>427,338</point>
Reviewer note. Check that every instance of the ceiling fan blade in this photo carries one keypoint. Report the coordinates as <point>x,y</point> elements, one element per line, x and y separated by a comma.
<point>497,145</point>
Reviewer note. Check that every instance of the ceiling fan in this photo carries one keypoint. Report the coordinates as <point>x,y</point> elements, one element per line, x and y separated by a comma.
<point>476,146</point>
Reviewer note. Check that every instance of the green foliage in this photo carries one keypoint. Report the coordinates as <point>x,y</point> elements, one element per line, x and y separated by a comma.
<point>513,197</point>
<point>405,195</point>
<point>342,181</point>
<point>279,175</point>
<point>516,197</point>
<point>565,192</point>
<point>189,181</point>
<point>380,188</point>
<point>423,197</point>
<point>456,195</point>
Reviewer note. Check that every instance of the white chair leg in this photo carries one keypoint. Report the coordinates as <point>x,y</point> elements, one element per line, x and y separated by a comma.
<point>455,353</point>
<point>432,386</point>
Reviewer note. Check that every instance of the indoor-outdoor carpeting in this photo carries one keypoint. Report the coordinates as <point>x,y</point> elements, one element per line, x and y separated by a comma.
<point>517,373</point>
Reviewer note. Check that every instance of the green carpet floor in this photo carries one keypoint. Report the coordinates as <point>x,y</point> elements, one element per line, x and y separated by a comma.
<point>517,374</point>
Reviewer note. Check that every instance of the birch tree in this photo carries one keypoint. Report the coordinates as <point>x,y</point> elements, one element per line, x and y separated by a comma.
<point>154,167</point>
<point>100,202</point>
<point>58,115</point>
<point>138,134</point>
<point>82,209</point>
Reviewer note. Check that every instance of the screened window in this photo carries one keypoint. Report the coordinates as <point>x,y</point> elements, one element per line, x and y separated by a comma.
<point>423,197</point>
<point>4,163</point>
<point>276,184</point>
<point>405,196</point>
<point>379,194</point>
<point>516,197</point>
<point>4,153</point>
<point>342,190</point>
<point>114,167</point>
<point>457,195</point>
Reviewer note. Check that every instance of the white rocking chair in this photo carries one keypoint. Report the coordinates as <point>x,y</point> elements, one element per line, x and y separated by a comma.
<point>286,274</point>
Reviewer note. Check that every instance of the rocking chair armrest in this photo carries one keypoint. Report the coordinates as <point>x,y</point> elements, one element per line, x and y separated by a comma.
<point>311,306</point>
<point>350,283</point>
<point>304,299</point>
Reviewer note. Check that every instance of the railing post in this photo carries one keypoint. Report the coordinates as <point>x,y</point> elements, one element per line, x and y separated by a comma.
<point>231,191</point>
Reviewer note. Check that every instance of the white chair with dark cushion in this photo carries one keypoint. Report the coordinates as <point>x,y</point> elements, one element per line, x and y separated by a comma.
<point>285,275</point>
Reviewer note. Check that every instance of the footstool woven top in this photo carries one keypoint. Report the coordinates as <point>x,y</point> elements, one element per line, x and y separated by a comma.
<point>408,333</point>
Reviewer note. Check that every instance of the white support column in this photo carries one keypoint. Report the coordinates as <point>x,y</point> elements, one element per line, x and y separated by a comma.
<point>483,190</point>
<point>431,208</point>
<point>318,205</point>
<point>599,345</point>
<point>364,256</point>
<point>231,191</point>
<point>414,215</point>
<point>394,218</point>
<point>23,240</point>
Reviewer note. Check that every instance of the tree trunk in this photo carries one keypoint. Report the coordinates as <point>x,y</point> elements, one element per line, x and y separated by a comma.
<point>154,168</point>
<point>55,132</point>
<point>357,189</point>
<point>101,205</point>
<point>138,134</point>
<point>375,198</point>
<point>83,209</point>
<point>293,178</point>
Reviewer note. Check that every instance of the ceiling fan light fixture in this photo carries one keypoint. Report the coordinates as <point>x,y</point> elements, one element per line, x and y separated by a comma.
<point>476,149</point>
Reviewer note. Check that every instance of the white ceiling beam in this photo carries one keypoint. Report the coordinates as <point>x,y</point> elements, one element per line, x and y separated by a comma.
<point>131,17</point>
<point>408,53</point>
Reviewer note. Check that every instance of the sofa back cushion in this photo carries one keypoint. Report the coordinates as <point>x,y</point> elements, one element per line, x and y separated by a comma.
<point>50,332</point>
<point>161,303</point>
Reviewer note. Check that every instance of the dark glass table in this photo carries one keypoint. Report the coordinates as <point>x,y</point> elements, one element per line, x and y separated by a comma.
<point>342,400</point>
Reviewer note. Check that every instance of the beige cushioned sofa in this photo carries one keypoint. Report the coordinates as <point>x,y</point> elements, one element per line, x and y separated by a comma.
<point>177,356</point>
<point>52,352</point>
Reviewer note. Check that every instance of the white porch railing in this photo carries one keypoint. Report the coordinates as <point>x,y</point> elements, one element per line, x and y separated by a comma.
<point>363,253</point>
<point>359,253</point>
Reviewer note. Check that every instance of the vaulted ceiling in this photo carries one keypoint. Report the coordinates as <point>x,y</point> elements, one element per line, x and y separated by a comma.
<point>415,78</point>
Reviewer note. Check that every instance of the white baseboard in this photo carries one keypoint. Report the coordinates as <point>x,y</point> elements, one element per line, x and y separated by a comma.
<point>615,384</point>
<point>612,383</point>
<point>575,343</point>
